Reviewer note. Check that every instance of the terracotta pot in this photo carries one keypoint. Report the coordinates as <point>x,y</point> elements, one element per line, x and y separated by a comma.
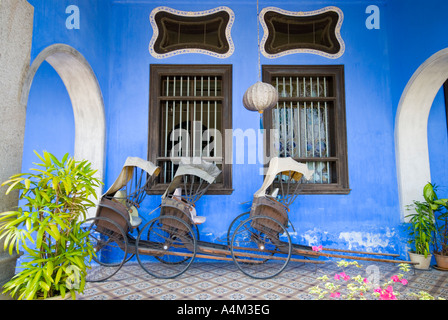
<point>442,261</point>
<point>423,263</point>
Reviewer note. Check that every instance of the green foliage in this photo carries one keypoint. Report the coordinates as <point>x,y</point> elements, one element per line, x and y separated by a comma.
<point>422,225</point>
<point>54,199</point>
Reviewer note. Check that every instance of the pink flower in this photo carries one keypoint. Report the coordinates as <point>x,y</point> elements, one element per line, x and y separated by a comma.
<point>344,276</point>
<point>395,279</point>
<point>365,280</point>
<point>378,290</point>
<point>335,294</point>
<point>319,248</point>
<point>387,294</point>
<point>404,282</point>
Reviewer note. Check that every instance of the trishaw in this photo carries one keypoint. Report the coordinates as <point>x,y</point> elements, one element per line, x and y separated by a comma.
<point>258,241</point>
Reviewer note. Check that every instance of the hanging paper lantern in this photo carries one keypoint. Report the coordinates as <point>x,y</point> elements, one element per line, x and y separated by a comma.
<point>260,97</point>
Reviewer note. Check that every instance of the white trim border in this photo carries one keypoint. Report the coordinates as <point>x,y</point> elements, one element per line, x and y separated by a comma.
<point>191,14</point>
<point>302,14</point>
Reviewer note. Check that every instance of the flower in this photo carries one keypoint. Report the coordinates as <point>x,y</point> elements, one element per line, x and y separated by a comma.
<point>360,288</point>
<point>335,295</point>
<point>316,248</point>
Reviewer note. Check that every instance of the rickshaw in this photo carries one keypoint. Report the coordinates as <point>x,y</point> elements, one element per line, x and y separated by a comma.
<point>258,241</point>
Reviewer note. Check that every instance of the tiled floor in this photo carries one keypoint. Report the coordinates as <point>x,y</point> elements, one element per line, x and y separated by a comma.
<point>224,281</point>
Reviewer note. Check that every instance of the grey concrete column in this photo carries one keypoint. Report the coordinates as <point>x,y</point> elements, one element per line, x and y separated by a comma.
<point>16,30</point>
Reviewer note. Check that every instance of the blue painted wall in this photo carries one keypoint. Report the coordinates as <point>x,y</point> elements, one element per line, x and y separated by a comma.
<point>114,38</point>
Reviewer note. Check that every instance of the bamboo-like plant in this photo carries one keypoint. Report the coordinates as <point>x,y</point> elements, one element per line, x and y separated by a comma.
<point>53,201</point>
<point>422,225</point>
<point>440,210</point>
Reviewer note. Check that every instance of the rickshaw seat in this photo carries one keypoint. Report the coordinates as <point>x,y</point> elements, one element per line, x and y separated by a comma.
<point>134,219</point>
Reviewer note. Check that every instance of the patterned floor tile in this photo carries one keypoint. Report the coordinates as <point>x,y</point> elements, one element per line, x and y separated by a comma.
<point>224,281</point>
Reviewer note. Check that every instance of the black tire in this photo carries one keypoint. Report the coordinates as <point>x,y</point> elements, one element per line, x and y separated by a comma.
<point>111,246</point>
<point>257,251</point>
<point>235,223</point>
<point>166,247</point>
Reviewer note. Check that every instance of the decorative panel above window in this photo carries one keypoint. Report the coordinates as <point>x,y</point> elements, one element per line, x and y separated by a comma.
<point>316,32</point>
<point>310,124</point>
<point>178,32</point>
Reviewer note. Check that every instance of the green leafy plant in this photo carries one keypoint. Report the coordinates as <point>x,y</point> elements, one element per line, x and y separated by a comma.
<point>440,211</point>
<point>422,221</point>
<point>53,201</point>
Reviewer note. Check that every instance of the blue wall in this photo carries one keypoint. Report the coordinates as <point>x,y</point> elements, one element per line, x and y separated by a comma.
<point>114,38</point>
<point>420,31</point>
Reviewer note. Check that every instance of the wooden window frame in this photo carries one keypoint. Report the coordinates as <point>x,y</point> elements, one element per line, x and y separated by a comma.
<point>339,153</point>
<point>157,71</point>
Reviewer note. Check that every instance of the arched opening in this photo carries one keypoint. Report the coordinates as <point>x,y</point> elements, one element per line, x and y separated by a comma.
<point>411,128</point>
<point>85,96</point>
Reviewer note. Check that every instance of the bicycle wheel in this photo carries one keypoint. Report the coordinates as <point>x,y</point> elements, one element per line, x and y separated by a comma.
<point>166,247</point>
<point>111,246</point>
<point>235,223</point>
<point>257,249</point>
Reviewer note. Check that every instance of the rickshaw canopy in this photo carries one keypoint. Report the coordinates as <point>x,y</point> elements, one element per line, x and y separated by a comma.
<point>286,166</point>
<point>207,171</point>
<point>126,173</point>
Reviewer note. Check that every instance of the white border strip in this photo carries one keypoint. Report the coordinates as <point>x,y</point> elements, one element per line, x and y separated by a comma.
<point>191,14</point>
<point>303,14</point>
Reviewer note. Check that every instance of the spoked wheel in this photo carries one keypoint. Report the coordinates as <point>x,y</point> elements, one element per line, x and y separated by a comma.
<point>257,249</point>
<point>166,247</point>
<point>110,244</point>
<point>235,223</point>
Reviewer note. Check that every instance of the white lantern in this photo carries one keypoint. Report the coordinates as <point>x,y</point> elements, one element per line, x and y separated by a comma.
<point>260,97</point>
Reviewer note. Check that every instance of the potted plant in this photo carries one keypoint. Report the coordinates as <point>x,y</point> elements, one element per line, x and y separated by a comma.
<point>440,207</point>
<point>422,228</point>
<point>53,201</point>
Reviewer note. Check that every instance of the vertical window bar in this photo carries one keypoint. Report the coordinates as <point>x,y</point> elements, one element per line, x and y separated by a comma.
<point>202,113</point>
<point>193,128</point>
<point>312,129</point>
<point>305,122</point>
<point>291,118</point>
<point>285,140</point>
<point>326,132</point>
<point>180,113</point>
<point>298,118</point>
<point>188,117</point>
<point>208,120</point>
<point>166,129</point>
<point>318,128</point>
<point>174,122</point>
<point>216,115</point>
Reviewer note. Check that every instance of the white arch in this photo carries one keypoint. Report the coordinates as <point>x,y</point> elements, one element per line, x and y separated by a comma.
<point>86,98</point>
<point>411,128</point>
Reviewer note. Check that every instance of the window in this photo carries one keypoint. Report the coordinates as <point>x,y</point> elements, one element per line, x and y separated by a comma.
<point>310,122</point>
<point>190,109</point>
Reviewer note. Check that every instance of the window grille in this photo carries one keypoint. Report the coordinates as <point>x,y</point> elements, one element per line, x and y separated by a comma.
<point>190,109</point>
<point>303,125</point>
<point>191,120</point>
<point>309,119</point>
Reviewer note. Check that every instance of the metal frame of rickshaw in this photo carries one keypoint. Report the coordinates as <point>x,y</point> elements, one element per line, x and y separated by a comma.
<point>257,241</point>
